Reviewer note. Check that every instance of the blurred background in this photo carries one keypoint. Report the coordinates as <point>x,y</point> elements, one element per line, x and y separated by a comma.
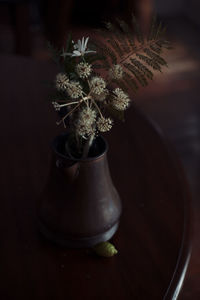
<point>26,24</point>
<point>172,99</point>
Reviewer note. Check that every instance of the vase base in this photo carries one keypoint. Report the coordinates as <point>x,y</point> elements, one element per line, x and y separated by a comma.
<point>77,242</point>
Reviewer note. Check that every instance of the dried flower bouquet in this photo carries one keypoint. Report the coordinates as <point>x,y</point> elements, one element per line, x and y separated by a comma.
<point>88,100</point>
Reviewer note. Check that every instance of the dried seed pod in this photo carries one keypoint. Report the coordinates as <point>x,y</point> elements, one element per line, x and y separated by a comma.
<point>105,249</point>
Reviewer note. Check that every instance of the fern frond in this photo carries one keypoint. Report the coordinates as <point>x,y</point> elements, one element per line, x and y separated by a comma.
<point>124,26</point>
<point>122,84</point>
<point>105,51</point>
<point>155,57</point>
<point>149,62</point>
<point>127,31</point>
<point>160,31</point>
<point>137,30</point>
<point>142,68</point>
<point>152,32</point>
<point>139,58</point>
<point>116,46</point>
<point>165,44</point>
<point>119,36</point>
<point>111,54</point>
<point>156,48</point>
<point>156,30</point>
<point>130,82</point>
<point>138,75</point>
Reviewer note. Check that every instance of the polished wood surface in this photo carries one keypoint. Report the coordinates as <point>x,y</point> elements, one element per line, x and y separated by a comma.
<point>154,235</point>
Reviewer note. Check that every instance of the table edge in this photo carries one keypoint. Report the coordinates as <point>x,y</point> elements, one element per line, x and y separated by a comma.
<point>181,267</point>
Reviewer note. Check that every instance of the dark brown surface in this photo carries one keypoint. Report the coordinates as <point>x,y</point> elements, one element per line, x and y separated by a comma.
<point>153,239</point>
<point>173,102</point>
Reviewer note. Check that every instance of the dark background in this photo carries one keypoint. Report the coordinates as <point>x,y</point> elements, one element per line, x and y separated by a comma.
<point>25,25</point>
<point>172,99</point>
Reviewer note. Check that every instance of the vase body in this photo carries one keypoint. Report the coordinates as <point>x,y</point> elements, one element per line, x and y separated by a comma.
<point>80,206</point>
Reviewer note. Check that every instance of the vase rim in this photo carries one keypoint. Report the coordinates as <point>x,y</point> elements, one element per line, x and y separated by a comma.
<point>54,146</point>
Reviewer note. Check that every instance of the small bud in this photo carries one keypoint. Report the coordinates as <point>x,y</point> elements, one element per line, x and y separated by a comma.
<point>105,249</point>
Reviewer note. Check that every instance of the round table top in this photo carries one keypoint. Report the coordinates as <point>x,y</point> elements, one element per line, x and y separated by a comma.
<point>154,235</point>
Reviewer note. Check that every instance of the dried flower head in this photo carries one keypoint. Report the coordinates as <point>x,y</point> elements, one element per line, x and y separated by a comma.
<point>83,70</point>
<point>85,122</point>
<point>120,101</point>
<point>88,115</point>
<point>104,124</point>
<point>98,85</point>
<point>102,96</point>
<point>74,89</point>
<point>116,72</point>
<point>61,81</point>
<point>56,106</point>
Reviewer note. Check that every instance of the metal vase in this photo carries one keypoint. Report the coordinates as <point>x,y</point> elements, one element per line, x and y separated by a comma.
<point>80,206</point>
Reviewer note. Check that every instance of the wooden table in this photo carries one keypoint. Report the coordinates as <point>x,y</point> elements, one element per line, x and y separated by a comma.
<point>154,235</point>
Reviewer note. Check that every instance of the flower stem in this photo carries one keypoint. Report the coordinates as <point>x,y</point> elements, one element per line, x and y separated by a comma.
<point>87,146</point>
<point>62,120</point>
<point>97,108</point>
<point>69,103</point>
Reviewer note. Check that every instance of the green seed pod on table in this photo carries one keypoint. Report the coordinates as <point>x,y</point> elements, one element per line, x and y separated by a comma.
<point>105,249</point>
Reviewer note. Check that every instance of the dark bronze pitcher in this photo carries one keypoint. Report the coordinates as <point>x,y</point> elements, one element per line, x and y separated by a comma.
<point>80,206</point>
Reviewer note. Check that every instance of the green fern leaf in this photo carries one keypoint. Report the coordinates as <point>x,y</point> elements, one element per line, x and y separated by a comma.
<point>105,51</point>
<point>162,30</point>
<point>137,30</point>
<point>123,85</point>
<point>149,61</point>
<point>159,31</point>
<point>130,82</point>
<point>116,46</point>
<point>155,57</point>
<point>138,75</point>
<point>111,54</point>
<point>128,34</point>
<point>124,26</point>
<point>142,68</point>
<point>152,32</point>
<point>156,48</point>
<point>164,44</point>
<point>120,37</point>
<point>119,48</point>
